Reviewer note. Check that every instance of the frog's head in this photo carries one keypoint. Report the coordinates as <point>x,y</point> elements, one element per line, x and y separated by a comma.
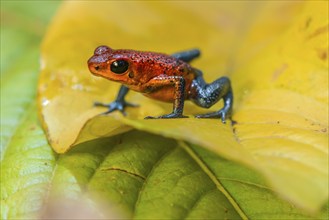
<point>110,64</point>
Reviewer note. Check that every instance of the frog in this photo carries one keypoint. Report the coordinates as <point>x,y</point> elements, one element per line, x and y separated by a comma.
<point>163,77</point>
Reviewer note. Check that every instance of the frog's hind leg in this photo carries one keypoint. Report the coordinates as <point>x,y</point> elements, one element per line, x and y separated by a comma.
<point>208,94</point>
<point>188,55</point>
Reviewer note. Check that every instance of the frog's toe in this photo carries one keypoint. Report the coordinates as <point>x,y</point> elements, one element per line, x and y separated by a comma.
<point>115,106</point>
<point>110,110</point>
<point>101,104</point>
<point>150,117</point>
<point>131,104</point>
<point>171,115</point>
<point>223,114</point>
<point>107,112</point>
<point>209,115</point>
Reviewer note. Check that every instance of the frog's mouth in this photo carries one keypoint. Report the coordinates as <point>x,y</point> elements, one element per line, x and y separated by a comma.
<point>94,70</point>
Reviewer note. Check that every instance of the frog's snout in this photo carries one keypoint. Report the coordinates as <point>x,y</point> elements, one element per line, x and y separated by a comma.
<point>95,65</point>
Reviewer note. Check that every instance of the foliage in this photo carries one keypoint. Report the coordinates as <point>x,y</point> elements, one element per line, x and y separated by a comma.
<point>273,163</point>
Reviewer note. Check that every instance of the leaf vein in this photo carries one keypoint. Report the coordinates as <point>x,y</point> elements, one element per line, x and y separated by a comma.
<point>125,171</point>
<point>156,164</point>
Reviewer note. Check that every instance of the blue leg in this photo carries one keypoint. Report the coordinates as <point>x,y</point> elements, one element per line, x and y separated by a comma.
<point>119,103</point>
<point>209,94</point>
<point>187,56</point>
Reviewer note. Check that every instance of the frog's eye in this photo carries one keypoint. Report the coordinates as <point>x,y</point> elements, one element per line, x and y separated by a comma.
<point>119,66</point>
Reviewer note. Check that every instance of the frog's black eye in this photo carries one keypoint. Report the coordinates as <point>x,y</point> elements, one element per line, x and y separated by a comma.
<point>119,66</point>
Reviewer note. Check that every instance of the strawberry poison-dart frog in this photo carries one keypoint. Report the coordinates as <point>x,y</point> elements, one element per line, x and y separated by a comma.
<point>168,78</point>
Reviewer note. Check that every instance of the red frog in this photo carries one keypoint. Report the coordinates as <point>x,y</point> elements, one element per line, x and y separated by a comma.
<point>168,78</point>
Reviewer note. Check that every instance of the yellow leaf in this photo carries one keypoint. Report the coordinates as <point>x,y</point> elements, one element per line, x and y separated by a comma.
<point>283,115</point>
<point>274,52</point>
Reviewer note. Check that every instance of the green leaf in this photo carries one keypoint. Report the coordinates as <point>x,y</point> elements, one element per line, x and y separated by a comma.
<point>26,158</point>
<point>147,176</point>
<point>21,32</point>
<point>26,170</point>
<point>137,175</point>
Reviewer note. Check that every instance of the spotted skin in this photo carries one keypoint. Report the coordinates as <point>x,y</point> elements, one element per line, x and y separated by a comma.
<point>168,78</point>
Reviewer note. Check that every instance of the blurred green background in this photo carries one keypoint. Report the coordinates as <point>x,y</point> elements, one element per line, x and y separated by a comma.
<point>23,24</point>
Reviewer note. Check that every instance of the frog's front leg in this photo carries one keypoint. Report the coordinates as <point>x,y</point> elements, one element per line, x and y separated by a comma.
<point>209,94</point>
<point>119,103</point>
<point>179,93</point>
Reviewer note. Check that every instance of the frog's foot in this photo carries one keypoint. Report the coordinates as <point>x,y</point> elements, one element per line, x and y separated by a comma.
<point>116,105</point>
<point>171,115</point>
<point>224,114</point>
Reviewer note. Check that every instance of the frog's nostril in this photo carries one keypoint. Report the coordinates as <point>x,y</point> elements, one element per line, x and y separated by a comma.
<point>96,68</point>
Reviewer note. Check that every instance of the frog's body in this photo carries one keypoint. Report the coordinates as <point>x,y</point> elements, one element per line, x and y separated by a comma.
<point>161,77</point>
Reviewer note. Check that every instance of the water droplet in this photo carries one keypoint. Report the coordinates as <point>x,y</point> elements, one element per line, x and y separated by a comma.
<point>45,102</point>
<point>77,87</point>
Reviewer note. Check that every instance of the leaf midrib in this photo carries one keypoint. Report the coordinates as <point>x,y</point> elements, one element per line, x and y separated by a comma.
<point>213,177</point>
